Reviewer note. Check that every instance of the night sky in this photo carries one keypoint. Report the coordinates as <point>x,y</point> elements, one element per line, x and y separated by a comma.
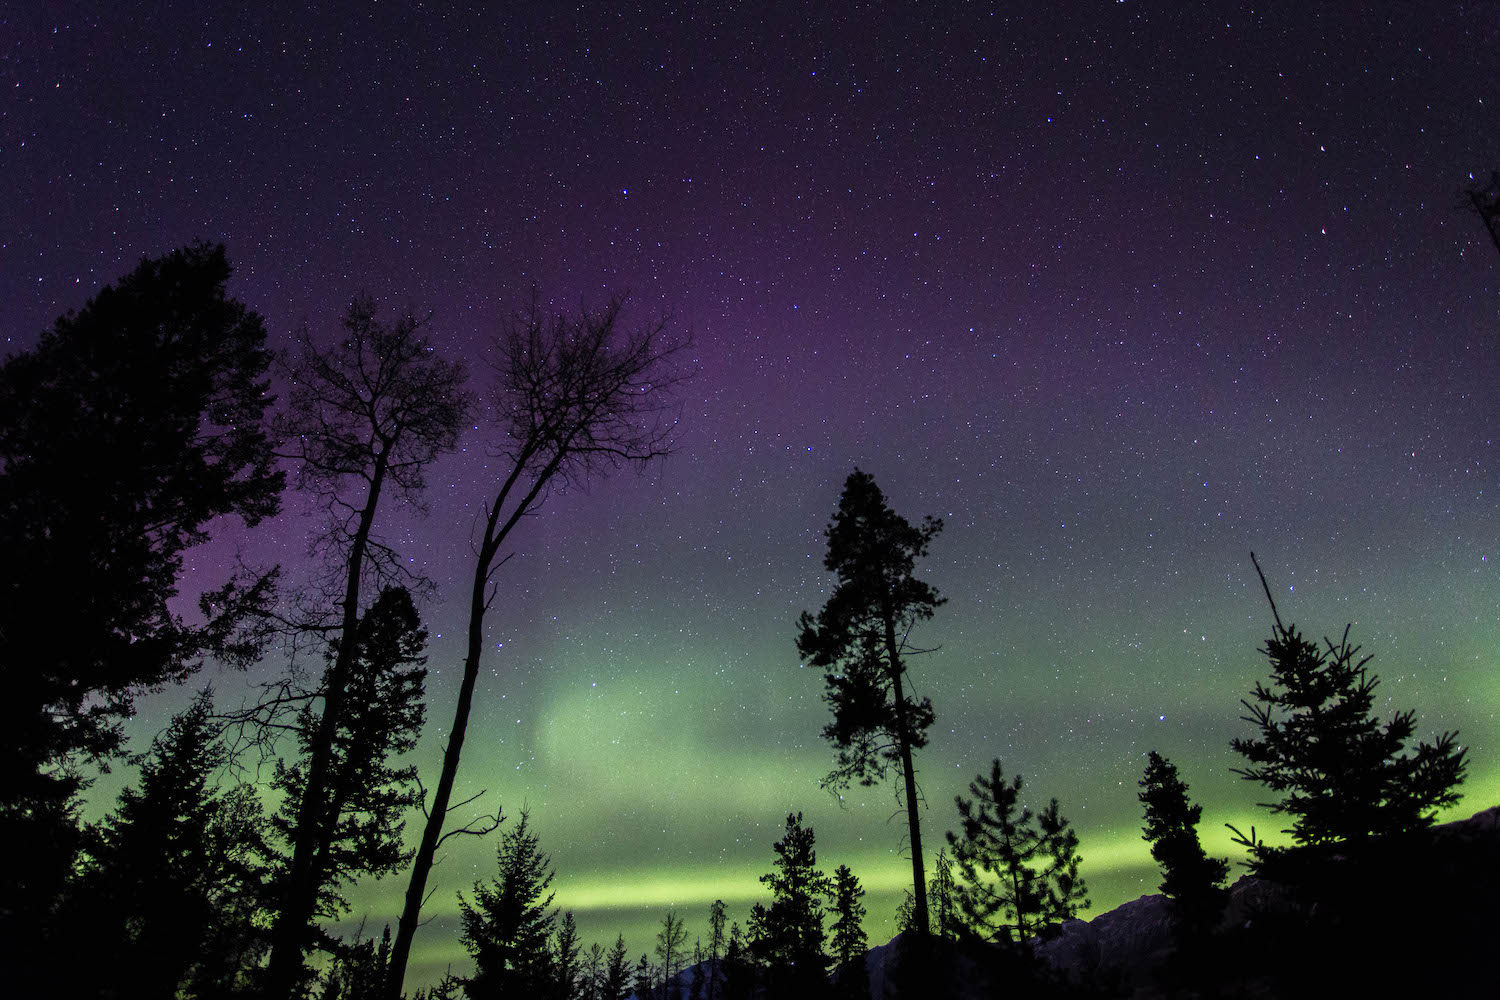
<point>1121,292</point>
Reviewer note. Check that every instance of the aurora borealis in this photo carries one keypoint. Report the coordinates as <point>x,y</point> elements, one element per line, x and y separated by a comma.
<point>1121,295</point>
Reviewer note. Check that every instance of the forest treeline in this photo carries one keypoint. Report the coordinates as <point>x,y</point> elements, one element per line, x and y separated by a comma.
<point>140,419</point>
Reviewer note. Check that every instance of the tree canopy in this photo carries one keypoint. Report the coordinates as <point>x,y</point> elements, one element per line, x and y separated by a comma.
<point>131,425</point>
<point>1189,876</point>
<point>786,938</point>
<point>508,927</point>
<point>1342,774</point>
<point>861,635</point>
<point>1032,856</point>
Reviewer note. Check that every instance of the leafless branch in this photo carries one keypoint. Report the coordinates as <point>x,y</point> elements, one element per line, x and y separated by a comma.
<point>1267,588</point>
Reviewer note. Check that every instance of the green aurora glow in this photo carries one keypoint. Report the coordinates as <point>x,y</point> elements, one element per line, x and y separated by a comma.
<point>1121,297</point>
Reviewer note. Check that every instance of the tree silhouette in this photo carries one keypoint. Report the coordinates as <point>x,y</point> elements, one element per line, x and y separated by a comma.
<point>787,937</point>
<point>1190,877</point>
<point>507,928</point>
<point>170,886</point>
<point>1033,855</point>
<point>565,965</point>
<point>447,988</point>
<point>645,978</point>
<point>591,972</point>
<point>942,898</point>
<point>358,968</point>
<point>364,798</point>
<point>716,941</point>
<point>695,989</point>
<point>862,634</point>
<point>367,415</point>
<point>575,399</point>
<point>1346,777</point>
<point>131,425</point>
<point>616,972</point>
<point>671,945</point>
<point>849,941</point>
<point>739,967</point>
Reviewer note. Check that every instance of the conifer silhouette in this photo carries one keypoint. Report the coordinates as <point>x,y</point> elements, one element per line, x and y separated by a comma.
<point>507,929</point>
<point>1033,857</point>
<point>1189,876</point>
<point>1342,774</point>
<point>861,634</point>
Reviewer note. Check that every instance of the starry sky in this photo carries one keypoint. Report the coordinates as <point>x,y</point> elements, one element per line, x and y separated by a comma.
<point>1119,290</point>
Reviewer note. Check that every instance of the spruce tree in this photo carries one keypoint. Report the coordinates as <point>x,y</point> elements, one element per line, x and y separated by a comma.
<point>358,969</point>
<point>671,945</point>
<point>787,937</point>
<point>170,886</point>
<point>565,964</point>
<point>1033,856</point>
<point>1190,878</point>
<point>591,973</point>
<point>741,976</point>
<point>616,978</point>
<point>861,636</point>
<point>361,814</point>
<point>716,943</point>
<point>906,913</point>
<point>1342,774</point>
<point>849,941</point>
<point>695,990</point>
<point>645,979</point>
<point>507,928</point>
<point>942,898</point>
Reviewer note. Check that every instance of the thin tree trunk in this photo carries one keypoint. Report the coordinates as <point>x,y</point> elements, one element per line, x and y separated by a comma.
<point>421,866</point>
<point>574,394</point>
<point>300,899</point>
<point>913,816</point>
<point>432,833</point>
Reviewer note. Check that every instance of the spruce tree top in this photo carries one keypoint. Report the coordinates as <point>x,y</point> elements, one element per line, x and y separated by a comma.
<point>873,550</point>
<point>1341,773</point>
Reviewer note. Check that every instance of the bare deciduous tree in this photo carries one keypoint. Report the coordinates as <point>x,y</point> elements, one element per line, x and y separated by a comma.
<point>575,399</point>
<point>369,413</point>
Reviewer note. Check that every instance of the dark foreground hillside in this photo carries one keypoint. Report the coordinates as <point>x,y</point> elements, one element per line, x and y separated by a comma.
<point>1406,917</point>
<point>1403,918</point>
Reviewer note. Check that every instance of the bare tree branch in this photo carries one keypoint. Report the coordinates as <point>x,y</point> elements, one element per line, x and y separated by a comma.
<point>575,398</point>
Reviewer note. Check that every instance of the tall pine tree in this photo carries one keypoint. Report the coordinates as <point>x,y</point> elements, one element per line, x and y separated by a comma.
<point>861,635</point>
<point>132,426</point>
<point>849,941</point>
